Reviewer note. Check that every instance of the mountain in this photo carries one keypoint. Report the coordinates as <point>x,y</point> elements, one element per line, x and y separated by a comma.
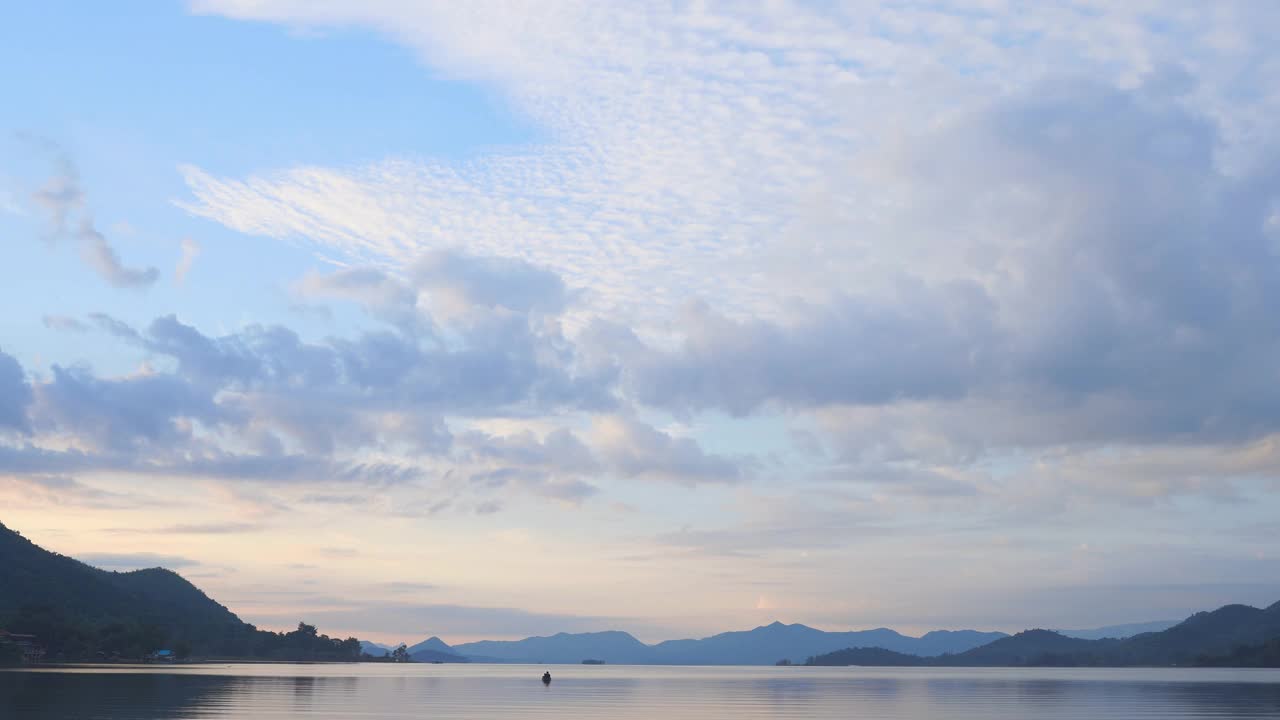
<point>1219,632</point>
<point>432,643</point>
<point>613,646</point>
<point>764,645</point>
<point>868,657</point>
<point>1266,655</point>
<point>65,601</point>
<point>31,575</point>
<point>437,656</point>
<point>1237,635</point>
<point>81,612</point>
<point>942,642</point>
<point>768,644</point>
<point>374,649</point>
<point>435,650</point>
<point>1120,631</point>
<point>1032,647</point>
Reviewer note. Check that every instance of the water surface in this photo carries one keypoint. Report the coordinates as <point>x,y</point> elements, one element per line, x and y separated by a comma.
<point>470,692</point>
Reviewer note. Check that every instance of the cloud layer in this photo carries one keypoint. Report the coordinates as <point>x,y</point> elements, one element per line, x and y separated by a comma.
<point>784,294</point>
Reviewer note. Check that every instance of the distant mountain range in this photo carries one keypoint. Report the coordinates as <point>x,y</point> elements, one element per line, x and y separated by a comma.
<point>433,649</point>
<point>374,649</point>
<point>764,645</point>
<point>80,612</point>
<point>1233,635</point>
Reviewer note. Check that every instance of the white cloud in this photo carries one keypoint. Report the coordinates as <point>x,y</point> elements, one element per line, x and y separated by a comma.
<point>704,151</point>
<point>190,251</point>
<point>911,217</point>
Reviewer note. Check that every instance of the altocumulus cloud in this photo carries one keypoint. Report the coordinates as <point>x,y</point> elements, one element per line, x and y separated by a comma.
<point>1122,294</point>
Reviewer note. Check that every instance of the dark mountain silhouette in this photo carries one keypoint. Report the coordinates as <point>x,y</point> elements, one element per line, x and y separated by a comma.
<point>1266,655</point>
<point>1204,634</point>
<point>1031,647</point>
<point>81,612</point>
<point>764,645</point>
<point>1231,635</point>
<point>869,657</point>
<point>31,575</point>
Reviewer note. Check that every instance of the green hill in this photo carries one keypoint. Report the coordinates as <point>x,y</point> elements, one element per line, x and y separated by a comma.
<point>80,612</point>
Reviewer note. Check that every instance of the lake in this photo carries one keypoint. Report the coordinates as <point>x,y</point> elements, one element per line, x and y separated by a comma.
<point>384,691</point>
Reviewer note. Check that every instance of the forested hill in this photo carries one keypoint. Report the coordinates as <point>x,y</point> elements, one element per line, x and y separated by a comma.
<point>1233,635</point>
<point>80,612</point>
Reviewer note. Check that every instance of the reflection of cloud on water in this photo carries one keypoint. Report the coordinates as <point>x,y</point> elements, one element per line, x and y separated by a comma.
<point>384,691</point>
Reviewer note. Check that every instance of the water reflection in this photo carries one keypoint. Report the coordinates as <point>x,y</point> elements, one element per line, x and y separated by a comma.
<point>387,693</point>
<point>48,696</point>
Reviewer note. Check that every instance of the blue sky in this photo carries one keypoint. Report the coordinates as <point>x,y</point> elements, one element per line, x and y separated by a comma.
<point>423,318</point>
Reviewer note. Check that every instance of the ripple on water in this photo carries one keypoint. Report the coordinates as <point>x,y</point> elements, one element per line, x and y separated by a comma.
<point>387,692</point>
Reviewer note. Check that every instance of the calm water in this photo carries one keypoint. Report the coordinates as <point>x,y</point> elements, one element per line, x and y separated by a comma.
<point>378,692</point>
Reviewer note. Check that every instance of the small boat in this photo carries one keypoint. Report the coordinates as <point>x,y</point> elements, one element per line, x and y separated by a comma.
<point>546,678</point>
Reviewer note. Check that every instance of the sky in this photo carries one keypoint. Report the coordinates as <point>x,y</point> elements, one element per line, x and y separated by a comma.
<point>496,319</point>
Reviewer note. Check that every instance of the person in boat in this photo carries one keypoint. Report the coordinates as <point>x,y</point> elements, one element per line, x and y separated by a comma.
<point>546,678</point>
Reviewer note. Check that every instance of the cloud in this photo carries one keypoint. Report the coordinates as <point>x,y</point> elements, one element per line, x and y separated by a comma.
<point>135,561</point>
<point>262,404</point>
<point>693,148</point>
<point>560,463</point>
<point>120,414</point>
<point>224,528</point>
<point>1079,272</point>
<point>64,324</point>
<point>190,251</point>
<point>452,620</point>
<point>60,196</point>
<point>931,251</point>
<point>15,394</point>
<point>775,523</point>
<point>63,199</point>
<point>932,344</point>
<point>409,587</point>
<point>100,256</point>
<point>636,450</point>
<point>461,281</point>
<point>60,491</point>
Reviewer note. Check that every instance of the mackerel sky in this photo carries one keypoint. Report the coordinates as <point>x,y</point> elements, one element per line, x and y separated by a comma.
<point>494,319</point>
